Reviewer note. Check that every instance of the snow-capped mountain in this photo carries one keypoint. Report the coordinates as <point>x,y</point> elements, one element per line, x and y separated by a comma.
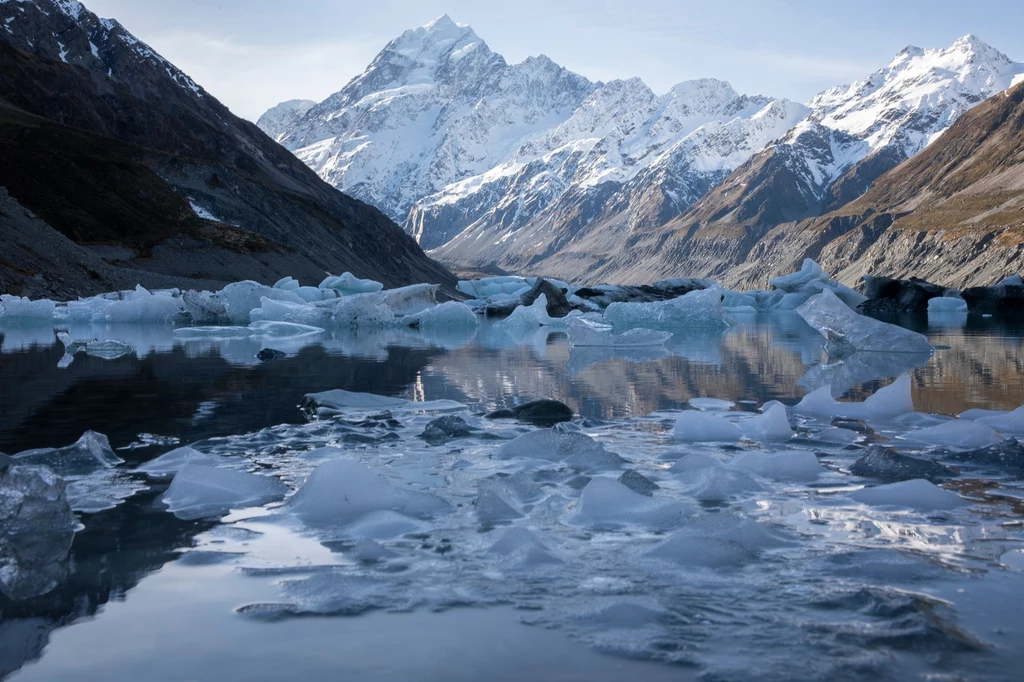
<point>624,168</point>
<point>279,120</point>
<point>857,132</point>
<point>442,133</point>
<point>486,162</point>
<point>434,107</point>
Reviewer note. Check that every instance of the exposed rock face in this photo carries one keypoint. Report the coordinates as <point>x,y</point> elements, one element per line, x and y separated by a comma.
<point>886,294</point>
<point>108,143</point>
<point>557,304</point>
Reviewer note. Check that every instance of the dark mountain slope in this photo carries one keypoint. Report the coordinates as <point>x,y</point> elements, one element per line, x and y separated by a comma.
<point>114,148</point>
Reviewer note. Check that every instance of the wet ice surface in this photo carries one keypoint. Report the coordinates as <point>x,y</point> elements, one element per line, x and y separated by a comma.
<point>749,553</point>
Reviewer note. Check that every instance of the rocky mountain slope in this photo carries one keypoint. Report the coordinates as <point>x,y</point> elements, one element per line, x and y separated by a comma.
<point>952,214</point>
<point>106,143</point>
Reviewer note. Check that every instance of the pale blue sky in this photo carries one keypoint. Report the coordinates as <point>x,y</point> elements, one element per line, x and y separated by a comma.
<point>252,54</point>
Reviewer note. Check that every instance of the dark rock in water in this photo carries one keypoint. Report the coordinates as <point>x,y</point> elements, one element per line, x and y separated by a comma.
<point>638,483</point>
<point>606,294</point>
<point>1005,297</point>
<point>898,295</point>
<point>1007,456</point>
<point>502,309</point>
<point>444,429</point>
<point>544,412</point>
<point>890,466</point>
<point>558,304</point>
<point>268,354</point>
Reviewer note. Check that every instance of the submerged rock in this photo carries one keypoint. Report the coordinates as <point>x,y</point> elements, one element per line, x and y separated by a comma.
<point>1006,456</point>
<point>638,483</point>
<point>543,412</point>
<point>890,466</point>
<point>897,295</point>
<point>446,428</point>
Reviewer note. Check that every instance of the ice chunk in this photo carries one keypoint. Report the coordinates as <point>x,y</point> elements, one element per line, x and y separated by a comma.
<point>791,465</point>
<point>715,483</point>
<point>494,286</point>
<point>694,462</point>
<point>711,404</point>
<point>583,332</point>
<point>410,300</point>
<point>314,294</point>
<point>293,313</point>
<point>534,315</point>
<point>809,272</point>
<point>341,491</point>
<point>946,304</point>
<point>240,298</point>
<point>170,463</point>
<point>362,311</point>
<point>693,426</point>
<point>340,399</point>
<point>1011,422</point>
<point>916,494</point>
<point>105,350</point>
<point>606,503</point>
<point>449,315</point>
<point>90,453</point>
<point>957,433</point>
<point>718,541</point>
<point>891,401</point>
<point>37,529</point>
<point>287,284</point>
<point>16,307</point>
<point>772,425</point>
<point>520,548</point>
<point>577,450</point>
<point>347,284</point>
<point>383,525</point>
<point>701,308</point>
<point>846,331</point>
<point>142,305</point>
<point>199,491</point>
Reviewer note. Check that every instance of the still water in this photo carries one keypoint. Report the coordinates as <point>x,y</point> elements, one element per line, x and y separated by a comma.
<point>864,593</point>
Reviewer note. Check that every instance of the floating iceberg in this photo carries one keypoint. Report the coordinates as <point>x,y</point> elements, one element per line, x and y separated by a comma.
<point>576,450</point>
<point>341,491</point>
<point>772,425</point>
<point>693,426</point>
<point>946,304</point>
<point>106,350</point>
<point>606,503</point>
<point>449,315</point>
<point>718,541</point>
<point>90,453</point>
<point>584,332</point>
<point>200,491</point>
<point>717,483</point>
<point>494,286</point>
<point>1010,422</point>
<point>846,331</point>
<point>792,465</point>
<point>957,433</point>
<point>892,401</point>
<point>916,494</point>
<point>701,308</point>
<point>241,298</point>
<point>170,463</point>
<point>38,527</point>
<point>348,284</point>
<point>16,307</point>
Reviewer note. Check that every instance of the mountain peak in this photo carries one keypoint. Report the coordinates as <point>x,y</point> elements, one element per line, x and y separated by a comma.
<point>442,23</point>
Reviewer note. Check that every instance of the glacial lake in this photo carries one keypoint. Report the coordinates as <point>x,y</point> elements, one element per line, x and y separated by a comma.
<point>522,576</point>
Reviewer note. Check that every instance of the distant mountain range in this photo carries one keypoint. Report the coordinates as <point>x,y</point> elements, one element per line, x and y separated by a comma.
<point>531,168</point>
<point>117,168</point>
